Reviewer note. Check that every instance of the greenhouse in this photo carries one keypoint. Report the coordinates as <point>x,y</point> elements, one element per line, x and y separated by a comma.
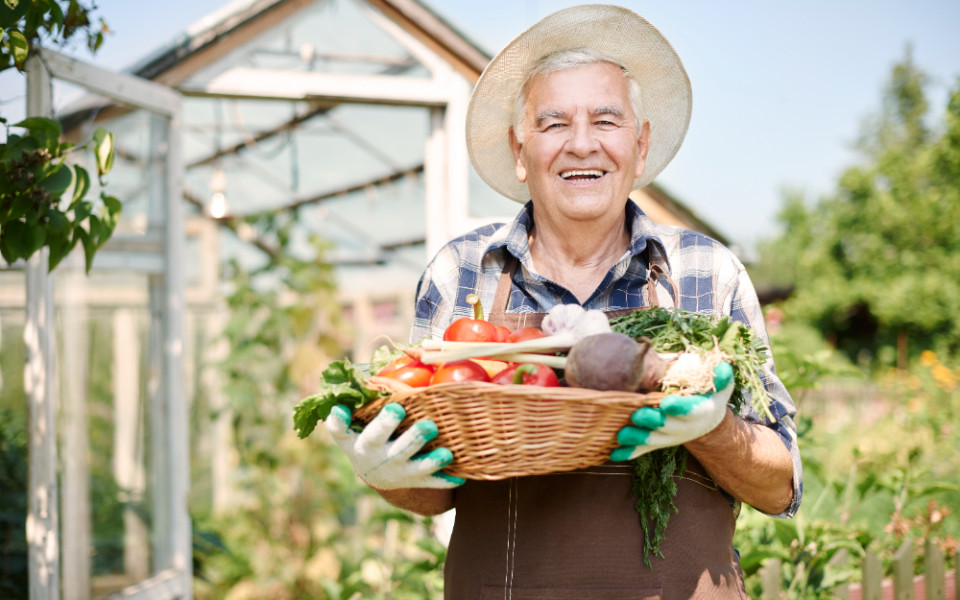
<point>284,166</point>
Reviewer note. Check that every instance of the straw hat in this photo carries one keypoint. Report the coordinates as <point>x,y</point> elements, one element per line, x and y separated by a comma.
<point>610,30</point>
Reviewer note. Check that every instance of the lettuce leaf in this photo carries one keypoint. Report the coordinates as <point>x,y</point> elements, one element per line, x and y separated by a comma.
<point>341,383</point>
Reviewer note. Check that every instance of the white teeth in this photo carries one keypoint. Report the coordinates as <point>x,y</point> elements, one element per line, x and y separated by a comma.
<point>586,172</point>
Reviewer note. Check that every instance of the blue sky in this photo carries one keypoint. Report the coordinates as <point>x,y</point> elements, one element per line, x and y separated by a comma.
<point>781,89</point>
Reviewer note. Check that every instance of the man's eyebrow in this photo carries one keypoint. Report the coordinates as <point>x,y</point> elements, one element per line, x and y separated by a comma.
<point>549,114</point>
<point>615,111</point>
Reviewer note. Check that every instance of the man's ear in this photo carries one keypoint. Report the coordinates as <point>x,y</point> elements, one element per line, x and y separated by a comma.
<point>643,146</point>
<point>515,146</point>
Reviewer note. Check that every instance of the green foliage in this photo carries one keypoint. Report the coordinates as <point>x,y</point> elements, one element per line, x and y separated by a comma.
<point>342,383</point>
<point>42,198</point>
<point>889,477</point>
<point>52,21</point>
<point>35,209</point>
<point>13,504</point>
<point>678,331</point>
<point>878,262</point>
<point>306,526</point>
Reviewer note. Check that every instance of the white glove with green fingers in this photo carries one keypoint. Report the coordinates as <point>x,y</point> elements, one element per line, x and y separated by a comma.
<point>677,420</point>
<point>388,464</point>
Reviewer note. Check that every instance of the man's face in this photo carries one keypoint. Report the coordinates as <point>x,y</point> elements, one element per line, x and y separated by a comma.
<point>580,152</point>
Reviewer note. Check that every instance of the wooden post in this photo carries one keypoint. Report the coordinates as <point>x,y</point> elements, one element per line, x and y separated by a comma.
<point>770,578</point>
<point>841,559</point>
<point>75,517</point>
<point>39,382</point>
<point>903,571</point>
<point>128,460</point>
<point>872,577</point>
<point>933,563</point>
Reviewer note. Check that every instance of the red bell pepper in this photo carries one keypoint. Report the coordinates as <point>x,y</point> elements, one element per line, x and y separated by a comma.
<point>476,329</point>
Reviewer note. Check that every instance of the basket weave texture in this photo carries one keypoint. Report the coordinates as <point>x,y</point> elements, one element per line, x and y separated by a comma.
<point>501,431</point>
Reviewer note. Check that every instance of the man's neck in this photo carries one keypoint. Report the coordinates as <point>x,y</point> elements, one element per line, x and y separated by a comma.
<point>578,256</point>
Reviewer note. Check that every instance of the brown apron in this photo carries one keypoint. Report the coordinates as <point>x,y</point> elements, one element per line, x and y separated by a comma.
<point>577,535</point>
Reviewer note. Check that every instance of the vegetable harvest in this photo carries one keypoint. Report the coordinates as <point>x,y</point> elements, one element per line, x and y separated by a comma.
<point>649,349</point>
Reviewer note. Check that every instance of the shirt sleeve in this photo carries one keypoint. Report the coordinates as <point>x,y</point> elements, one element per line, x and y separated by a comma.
<point>744,306</point>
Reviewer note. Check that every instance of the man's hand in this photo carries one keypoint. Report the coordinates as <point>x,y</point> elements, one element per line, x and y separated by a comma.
<point>387,464</point>
<point>678,419</point>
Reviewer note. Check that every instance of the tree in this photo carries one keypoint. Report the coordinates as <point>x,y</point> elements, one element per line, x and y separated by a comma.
<point>35,210</point>
<point>876,264</point>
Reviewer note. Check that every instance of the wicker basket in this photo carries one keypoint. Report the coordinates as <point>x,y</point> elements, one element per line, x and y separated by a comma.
<point>500,431</point>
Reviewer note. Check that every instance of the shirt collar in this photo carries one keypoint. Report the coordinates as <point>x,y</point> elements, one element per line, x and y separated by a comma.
<point>515,237</point>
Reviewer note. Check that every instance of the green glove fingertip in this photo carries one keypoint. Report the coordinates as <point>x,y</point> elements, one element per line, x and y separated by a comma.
<point>341,412</point>
<point>633,436</point>
<point>622,453</point>
<point>427,429</point>
<point>394,410</point>
<point>441,457</point>
<point>722,376</point>
<point>650,418</point>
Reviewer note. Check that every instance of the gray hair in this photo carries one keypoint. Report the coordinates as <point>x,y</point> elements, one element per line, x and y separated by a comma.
<point>568,59</point>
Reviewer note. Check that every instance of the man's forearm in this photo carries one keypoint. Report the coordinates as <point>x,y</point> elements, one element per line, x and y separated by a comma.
<point>423,501</point>
<point>749,461</point>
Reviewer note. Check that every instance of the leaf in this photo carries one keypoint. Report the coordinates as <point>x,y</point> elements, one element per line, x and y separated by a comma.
<point>60,246</point>
<point>21,240</point>
<point>341,383</point>
<point>81,185</point>
<point>89,246</point>
<point>103,149</point>
<point>19,48</point>
<point>46,131</point>
<point>56,14</point>
<point>57,182</point>
<point>82,210</point>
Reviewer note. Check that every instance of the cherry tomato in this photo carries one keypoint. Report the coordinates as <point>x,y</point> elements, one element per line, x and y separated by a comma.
<point>458,371</point>
<point>414,376</point>
<point>527,374</point>
<point>525,333</point>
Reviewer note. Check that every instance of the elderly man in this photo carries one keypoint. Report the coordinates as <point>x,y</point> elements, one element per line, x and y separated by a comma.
<point>579,110</point>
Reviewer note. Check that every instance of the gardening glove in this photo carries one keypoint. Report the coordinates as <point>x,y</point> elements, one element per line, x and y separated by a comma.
<point>677,420</point>
<point>388,464</point>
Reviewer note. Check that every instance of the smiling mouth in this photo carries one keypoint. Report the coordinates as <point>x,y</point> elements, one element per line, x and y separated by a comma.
<point>582,175</point>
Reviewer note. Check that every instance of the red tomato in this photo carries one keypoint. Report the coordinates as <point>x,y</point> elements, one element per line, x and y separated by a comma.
<point>503,334</point>
<point>414,376</point>
<point>459,370</point>
<point>525,333</point>
<point>527,374</point>
<point>403,361</point>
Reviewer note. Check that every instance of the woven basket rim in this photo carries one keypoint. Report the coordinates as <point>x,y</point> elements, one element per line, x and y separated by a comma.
<point>499,431</point>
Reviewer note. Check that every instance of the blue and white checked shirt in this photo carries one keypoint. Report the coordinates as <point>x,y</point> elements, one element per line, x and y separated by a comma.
<point>707,275</point>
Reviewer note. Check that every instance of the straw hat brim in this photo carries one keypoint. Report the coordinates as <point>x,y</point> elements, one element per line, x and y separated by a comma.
<point>613,31</point>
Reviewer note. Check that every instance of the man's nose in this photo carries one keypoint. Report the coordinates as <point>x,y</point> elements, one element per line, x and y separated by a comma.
<point>583,140</point>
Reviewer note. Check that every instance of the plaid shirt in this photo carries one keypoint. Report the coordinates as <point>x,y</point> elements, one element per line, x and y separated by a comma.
<point>708,279</point>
